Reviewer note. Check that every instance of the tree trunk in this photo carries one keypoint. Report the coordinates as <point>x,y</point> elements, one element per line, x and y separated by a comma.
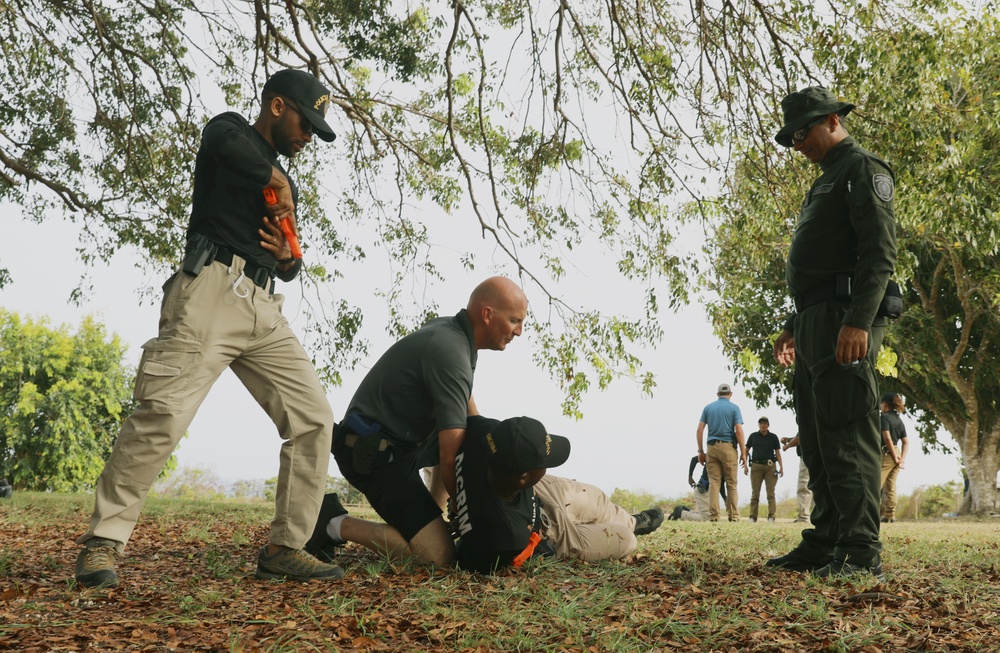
<point>982,467</point>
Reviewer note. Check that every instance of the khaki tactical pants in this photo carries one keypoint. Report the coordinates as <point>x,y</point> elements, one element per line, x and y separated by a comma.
<point>890,472</point>
<point>769,475</point>
<point>583,523</point>
<point>701,506</point>
<point>721,460</point>
<point>209,323</point>
<point>803,494</point>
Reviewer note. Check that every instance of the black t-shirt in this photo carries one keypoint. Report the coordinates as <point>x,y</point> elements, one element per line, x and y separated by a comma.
<point>232,169</point>
<point>762,447</point>
<point>491,531</point>
<point>894,425</point>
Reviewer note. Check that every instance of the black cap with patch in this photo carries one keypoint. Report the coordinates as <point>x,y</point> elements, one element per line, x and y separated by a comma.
<point>521,444</point>
<point>311,97</point>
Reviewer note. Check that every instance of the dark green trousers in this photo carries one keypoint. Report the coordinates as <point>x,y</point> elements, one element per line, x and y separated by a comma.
<point>838,419</point>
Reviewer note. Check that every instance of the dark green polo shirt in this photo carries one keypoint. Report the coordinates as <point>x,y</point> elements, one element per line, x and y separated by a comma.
<point>422,384</point>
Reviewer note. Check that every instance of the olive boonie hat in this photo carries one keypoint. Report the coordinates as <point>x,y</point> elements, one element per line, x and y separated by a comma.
<point>308,94</point>
<point>802,107</point>
<point>521,444</point>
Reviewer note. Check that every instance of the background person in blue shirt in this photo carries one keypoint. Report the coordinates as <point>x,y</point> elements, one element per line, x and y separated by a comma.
<point>725,432</point>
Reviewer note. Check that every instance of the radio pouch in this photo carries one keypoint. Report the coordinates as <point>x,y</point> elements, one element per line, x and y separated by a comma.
<point>892,301</point>
<point>365,450</point>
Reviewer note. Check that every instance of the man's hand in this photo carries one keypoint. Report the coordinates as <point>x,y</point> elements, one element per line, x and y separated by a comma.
<point>285,206</point>
<point>273,240</point>
<point>852,344</point>
<point>784,348</point>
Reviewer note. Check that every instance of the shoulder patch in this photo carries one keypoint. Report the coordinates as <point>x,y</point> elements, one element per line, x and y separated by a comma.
<point>882,183</point>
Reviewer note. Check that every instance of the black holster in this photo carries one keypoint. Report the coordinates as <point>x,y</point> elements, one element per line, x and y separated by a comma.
<point>366,446</point>
<point>200,251</point>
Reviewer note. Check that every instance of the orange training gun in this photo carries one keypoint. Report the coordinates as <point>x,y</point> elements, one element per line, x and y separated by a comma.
<point>270,197</point>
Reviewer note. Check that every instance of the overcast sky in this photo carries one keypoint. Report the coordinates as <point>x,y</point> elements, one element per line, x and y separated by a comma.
<point>624,441</point>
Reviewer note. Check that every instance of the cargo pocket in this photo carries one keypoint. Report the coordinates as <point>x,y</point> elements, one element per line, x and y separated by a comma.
<point>165,372</point>
<point>842,396</point>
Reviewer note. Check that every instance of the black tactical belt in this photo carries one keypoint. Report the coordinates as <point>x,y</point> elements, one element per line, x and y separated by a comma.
<point>260,275</point>
<point>823,293</point>
<point>351,439</point>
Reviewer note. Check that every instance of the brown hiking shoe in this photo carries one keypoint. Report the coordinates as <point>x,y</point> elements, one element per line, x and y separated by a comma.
<point>95,566</point>
<point>294,564</point>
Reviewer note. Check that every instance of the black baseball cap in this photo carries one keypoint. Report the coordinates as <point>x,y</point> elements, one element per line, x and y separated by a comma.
<point>802,107</point>
<point>311,97</point>
<point>521,444</point>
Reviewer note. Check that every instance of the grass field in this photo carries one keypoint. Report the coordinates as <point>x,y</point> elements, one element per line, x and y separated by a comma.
<point>187,585</point>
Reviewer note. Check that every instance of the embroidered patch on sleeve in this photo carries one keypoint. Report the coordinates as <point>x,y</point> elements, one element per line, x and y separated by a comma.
<point>882,184</point>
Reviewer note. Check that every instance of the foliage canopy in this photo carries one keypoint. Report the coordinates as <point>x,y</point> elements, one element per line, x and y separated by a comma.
<point>62,398</point>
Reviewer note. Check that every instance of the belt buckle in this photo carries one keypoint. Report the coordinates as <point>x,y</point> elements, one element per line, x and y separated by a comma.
<point>261,277</point>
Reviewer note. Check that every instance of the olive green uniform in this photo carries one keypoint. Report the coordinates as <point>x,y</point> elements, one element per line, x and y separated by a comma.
<point>846,228</point>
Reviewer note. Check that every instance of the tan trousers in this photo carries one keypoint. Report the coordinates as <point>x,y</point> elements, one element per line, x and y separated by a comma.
<point>803,494</point>
<point>700,512</point>
<point>768,474</point>
<point>722,459</point>
<point>583,523</point>
<point>209,323</point>
<point>890,471</point>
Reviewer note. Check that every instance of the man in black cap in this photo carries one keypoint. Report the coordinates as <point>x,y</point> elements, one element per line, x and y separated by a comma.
<point>219,311</point>
<point>842,254</point>
<point>507,508</point>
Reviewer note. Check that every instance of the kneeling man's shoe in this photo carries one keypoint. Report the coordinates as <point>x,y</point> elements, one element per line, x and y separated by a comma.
<point>321,545</point>
<point>795,560</point>
<point>845,569</point>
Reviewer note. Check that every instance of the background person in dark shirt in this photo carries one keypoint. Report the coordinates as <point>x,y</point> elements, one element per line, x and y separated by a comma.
<point>219,312</point>
<point>893,456</point>
<point>765,466</point>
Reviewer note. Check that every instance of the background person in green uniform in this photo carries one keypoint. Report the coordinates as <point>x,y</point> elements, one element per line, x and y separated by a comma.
<point>842,254</point>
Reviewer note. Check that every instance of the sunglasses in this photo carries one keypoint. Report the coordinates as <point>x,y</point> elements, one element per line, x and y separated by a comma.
<point>304,124</point>
<point>802,134</point>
